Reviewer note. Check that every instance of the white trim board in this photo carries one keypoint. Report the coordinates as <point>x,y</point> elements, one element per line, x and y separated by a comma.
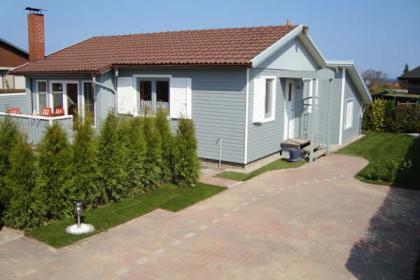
<point>246,116</point>
<point>343,86</point>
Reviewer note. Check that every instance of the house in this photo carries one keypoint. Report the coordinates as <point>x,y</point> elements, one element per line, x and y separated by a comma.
<point>247,89</point>
<point>412,79</point>
<point>11,86</point>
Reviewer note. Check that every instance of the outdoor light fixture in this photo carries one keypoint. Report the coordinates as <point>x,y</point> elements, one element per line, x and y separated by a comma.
<point>79,228</point>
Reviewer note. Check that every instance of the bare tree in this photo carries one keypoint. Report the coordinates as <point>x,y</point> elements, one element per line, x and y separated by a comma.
<point>373,77</point>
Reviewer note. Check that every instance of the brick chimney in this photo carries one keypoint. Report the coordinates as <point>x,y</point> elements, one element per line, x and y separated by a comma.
<point>36,34</point>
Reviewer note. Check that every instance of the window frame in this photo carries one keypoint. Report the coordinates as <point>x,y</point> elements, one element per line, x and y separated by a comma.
<point>64,83</point>
<point>153,79</point>
<point>83,101</point>
<point>272,117</point>
<point>348,121</point>
<point>39,110</point>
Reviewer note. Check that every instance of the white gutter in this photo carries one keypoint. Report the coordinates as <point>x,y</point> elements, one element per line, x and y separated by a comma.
<point>246,116</point>
<point>343,85</point>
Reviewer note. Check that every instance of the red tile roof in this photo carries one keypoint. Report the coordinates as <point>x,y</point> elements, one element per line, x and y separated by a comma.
<point>229,46</point>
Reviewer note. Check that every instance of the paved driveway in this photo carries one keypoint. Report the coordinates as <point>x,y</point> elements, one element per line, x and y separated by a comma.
<point>315,222</point>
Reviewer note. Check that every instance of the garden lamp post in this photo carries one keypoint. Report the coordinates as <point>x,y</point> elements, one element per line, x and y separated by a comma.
<point>78,209</point>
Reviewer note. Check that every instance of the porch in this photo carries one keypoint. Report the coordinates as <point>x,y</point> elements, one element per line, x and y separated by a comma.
<point>34,127</point>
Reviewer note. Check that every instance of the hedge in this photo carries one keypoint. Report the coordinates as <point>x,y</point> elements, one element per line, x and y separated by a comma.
<point>385,116</point>
<point>128,157</point>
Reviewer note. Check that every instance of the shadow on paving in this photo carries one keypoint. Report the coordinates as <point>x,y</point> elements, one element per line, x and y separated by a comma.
<point>390,246</point>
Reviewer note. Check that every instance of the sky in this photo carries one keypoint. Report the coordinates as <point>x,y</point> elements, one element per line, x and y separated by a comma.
<point>376,34</point>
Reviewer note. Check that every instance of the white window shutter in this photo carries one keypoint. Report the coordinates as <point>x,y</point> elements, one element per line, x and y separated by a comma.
<point>180,98</point>
<point>259,98</point>
<point>126,96</point>
<point>273,100</point>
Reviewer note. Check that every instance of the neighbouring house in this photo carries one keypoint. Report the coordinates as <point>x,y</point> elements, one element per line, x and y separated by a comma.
<point>248,90</point>
<point>11,85</point>
<point>412,79</point>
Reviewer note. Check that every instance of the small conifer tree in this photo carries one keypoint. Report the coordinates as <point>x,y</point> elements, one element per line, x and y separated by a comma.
<point>111,161</point>
<point>167,140</point>
<point>85,168</point>
<point>55,174</point>
<point>9,134</point>
<point>153,158</point>
<point>136,153</point>
<point>26,208</point>
<point>186,163</point>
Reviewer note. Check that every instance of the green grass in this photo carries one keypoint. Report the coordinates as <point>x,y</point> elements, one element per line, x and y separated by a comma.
<point>168,197</point>
<point>383,147</point>
<point>275,165</point>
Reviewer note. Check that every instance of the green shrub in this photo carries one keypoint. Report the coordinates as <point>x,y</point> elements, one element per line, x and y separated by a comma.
<point>186,163</point>
<point>389,116</point>
<point>153,160</point>
<point>375,116</point>
<point>85,167</point>
<point>167,140</point>
<point>111,161</point>
<point>132,133</point>
<point>26,208</point>
<point>390,171</point>
<point>55,174</point>
<point>9,134</point>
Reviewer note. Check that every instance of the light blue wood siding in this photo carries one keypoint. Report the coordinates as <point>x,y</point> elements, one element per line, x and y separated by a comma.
<point>351,94</point>
<point>218,109</point>
<point>105,99</point>
<point>19,100</point>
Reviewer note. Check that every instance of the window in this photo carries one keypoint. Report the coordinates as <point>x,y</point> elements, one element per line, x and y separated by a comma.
<point>42,95</point>
<point>307,95</point>
<point>89,101</point>
<point>268,103</point>
<point>162,94</point>
<point>264,99</point>
<point>8,82</point>
<point>72,98</point>
<point>57,95</point>
<point>145,95</point>
<point>349,114</point>
<point>154,94</point>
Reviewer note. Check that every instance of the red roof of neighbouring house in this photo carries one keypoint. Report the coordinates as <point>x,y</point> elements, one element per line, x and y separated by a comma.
<point>229,46</point>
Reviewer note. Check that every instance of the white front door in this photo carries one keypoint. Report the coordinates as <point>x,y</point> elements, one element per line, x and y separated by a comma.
<point>289,117</point>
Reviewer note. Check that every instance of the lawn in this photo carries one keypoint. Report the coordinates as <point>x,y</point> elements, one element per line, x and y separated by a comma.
<point>382,147</point>
<point>167,197</point>
<point>275,165</point>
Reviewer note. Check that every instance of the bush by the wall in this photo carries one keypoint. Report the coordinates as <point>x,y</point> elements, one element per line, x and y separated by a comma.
<point>9,134</point>
<point>55,174</point>
<point>167,144</point>
<point>84,165</point>
<point>186,163</point>
<point>153,158</point>
<point>111,161</point>
<point>26,208</point>
<point>375,116</point>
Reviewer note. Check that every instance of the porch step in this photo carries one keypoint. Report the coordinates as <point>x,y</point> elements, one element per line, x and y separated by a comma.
<point>319,153</point>
<point>307,149</point>
<point>294,143</point>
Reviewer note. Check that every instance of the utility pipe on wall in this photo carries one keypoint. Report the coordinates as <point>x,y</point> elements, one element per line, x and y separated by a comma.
<point>219,140</point>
